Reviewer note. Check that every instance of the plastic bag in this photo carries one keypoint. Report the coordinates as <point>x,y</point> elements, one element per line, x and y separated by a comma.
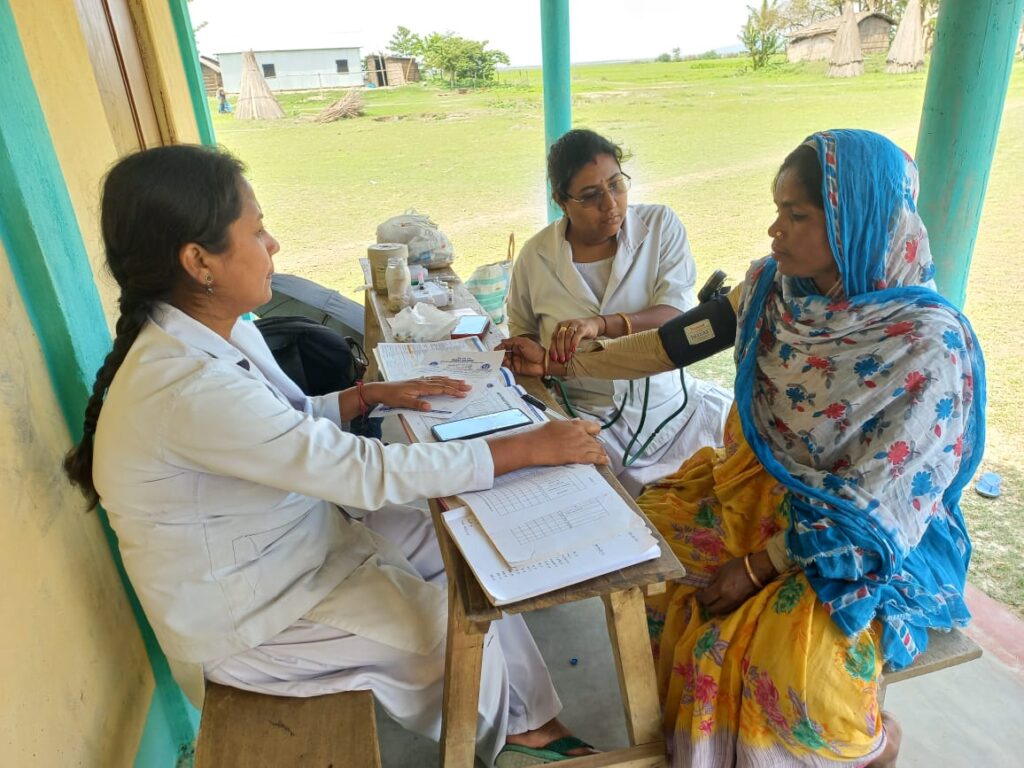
<point>428,246</point>
<point>489,284</point>
<point>422,322</point>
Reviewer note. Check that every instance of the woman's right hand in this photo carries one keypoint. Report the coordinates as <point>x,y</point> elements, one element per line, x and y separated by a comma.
<point>553,443</point>
<point>526,358</point>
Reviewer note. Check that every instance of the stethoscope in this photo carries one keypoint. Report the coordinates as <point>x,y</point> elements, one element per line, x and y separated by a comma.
<point>710,289</point>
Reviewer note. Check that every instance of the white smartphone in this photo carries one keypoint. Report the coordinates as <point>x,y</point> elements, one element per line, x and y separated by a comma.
<point>478,426</point>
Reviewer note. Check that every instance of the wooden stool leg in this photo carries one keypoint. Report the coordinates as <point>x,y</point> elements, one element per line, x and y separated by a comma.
<point>462,663</point>
<point>631,643</point>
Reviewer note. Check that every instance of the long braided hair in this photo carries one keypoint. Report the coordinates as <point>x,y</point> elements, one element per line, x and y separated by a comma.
<point>154,203</point>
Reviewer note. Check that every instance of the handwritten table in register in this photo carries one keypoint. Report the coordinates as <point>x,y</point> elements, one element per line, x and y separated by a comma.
<point>470,614</point>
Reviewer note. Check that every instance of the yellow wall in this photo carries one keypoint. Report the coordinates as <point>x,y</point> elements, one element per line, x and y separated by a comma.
<point>54,47</point>
<point>76,684</point>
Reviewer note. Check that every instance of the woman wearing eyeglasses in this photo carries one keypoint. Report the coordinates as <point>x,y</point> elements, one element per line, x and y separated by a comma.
<point>607,269</point>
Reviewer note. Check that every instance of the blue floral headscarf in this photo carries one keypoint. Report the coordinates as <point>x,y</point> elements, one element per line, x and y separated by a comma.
<point>868,406</point>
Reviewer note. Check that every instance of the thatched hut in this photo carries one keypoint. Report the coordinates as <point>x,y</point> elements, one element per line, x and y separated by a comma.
<point>815,41</point>
<point>212,78</point>
<point>907,51</point>
<point>255,100</point>
<point>391,70</point>
<point>847,59</point>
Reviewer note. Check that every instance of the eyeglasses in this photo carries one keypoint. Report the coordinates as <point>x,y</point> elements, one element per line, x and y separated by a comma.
<point>616,188</point>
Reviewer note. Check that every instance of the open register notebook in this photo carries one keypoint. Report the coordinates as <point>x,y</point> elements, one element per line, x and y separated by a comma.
<point>504,584</point>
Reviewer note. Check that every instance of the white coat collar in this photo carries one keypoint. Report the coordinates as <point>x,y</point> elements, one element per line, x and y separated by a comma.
<point>187,329</point>
<point>246,349</point>
<point>558,253</point>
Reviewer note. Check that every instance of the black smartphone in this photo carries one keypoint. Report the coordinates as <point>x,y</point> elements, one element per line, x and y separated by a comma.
<point>470,325</point>
<point>478,426</point>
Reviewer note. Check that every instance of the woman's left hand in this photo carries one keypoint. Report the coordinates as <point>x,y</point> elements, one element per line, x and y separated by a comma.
<point>731,585</point>
<point>407,394</point>
<point>569,333</point>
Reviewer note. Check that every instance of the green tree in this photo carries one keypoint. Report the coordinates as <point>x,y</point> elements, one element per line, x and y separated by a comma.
<point>405,43</point>
<point>761,35</point>
<point>456,59</point>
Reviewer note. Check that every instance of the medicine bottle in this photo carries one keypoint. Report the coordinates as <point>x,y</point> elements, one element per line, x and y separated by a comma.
<point>399,283</point>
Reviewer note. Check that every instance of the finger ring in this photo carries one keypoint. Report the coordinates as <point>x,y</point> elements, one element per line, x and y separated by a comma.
<point>562,329</point>
<point>572,329</point>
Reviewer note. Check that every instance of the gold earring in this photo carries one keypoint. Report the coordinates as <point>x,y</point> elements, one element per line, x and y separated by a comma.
<point>209,284</point>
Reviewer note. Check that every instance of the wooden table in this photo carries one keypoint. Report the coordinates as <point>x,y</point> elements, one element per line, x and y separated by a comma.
<point>470,613</point>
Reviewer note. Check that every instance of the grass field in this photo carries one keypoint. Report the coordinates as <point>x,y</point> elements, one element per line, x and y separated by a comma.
<point>705,138</point>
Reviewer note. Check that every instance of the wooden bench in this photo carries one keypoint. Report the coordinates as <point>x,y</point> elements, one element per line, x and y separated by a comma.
<point>240,728</point>
<point>945,649</point>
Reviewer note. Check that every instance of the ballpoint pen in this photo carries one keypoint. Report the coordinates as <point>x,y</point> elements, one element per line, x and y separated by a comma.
<point>538,403</point>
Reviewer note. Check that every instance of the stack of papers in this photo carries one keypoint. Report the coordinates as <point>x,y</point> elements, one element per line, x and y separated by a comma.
<point>507,584</point>
<point>537,529</point>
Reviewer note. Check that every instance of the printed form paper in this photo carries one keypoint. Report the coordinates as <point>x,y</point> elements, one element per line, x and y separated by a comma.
<point>457,359</point>
<point>504,584</point>
<point>536,513</point>
<point>401,361</point>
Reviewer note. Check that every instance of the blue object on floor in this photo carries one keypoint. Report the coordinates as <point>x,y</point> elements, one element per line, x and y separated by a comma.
<point>574,661</point>
<point>988,485</point>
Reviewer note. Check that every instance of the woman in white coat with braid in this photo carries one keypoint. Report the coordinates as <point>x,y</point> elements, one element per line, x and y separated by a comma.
<point>236,499</point>
<point>607,269</point>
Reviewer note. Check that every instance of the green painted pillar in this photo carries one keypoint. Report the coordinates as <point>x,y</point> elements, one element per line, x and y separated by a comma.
<point>554,34</point>
<point>43,243</point>
<point>193,70</point>
<point>963,104</point>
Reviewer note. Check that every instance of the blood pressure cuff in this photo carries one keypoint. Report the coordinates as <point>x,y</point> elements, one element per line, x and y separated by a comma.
<point>704,330</point>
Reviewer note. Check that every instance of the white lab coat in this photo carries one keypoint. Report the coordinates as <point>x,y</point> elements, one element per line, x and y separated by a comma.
<point>221,484</point>
<point>652,265</point>
<point>221,480</point>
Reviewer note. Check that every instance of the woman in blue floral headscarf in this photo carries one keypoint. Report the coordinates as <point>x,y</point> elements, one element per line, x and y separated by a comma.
<point>826,539</point>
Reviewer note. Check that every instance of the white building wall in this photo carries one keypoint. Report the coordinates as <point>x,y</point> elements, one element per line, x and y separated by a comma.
<point>297,70</point>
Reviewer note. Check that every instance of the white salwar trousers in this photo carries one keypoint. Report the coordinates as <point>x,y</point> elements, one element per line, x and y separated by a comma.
<point>312,659</point>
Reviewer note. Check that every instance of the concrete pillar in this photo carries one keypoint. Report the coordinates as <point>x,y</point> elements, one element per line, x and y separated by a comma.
<point>963,104</point>
<point>554,33</point>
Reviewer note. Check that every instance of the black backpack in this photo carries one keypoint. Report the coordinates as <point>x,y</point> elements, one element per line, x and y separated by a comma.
<point>317,358</point>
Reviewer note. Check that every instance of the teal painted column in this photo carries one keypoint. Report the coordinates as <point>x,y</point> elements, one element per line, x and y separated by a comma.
<point>193,70</point>
<point>963,103</point>
<point>554,34</point>
<point>50,265</point>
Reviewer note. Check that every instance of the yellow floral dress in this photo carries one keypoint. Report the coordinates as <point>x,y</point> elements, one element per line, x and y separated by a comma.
<point>775,682</point>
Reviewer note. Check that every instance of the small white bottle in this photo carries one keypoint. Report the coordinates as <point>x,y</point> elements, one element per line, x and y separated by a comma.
<point>399,283</point>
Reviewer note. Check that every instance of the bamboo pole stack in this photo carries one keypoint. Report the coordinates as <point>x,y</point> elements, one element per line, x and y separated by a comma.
<point>847,60</point>
<point>349,106</point>
<point>907,51</point>
<point>255,101</point>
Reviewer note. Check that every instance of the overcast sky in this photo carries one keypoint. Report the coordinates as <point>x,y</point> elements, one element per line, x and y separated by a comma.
<point>601,30</point>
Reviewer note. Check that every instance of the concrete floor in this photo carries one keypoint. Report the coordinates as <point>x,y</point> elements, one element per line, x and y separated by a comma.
<point>970,716</point>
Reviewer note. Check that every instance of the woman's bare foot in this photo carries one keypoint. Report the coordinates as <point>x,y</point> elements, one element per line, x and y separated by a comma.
<point>893,737</point>
<point>538,738</point>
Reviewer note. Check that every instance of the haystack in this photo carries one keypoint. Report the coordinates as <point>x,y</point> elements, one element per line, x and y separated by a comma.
<point>349,106</point>
<point>907,51</point>
<point>255,101</point>
<point>846,59</point>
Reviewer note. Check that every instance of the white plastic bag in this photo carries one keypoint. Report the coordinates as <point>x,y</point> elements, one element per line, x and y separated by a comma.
<point>428,245</point>
<point>422,322</point>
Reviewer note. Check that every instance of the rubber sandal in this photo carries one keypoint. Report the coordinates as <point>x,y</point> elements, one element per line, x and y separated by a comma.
<point>988,485</point>
<point>518,756</point>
